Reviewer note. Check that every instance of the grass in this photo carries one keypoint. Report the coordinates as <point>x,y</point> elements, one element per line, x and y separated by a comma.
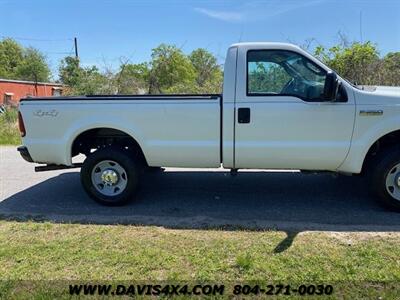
<point>357,264</point>
<point>9,133</point>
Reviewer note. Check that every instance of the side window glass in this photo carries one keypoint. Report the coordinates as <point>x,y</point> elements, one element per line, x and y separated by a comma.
<point>285,73</point>
<point>267,77</point>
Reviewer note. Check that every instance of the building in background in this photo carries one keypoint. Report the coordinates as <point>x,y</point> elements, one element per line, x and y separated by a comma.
<point>11,91</point>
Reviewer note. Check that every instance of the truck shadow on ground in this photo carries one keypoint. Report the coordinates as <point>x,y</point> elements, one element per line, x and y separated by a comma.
<point>292,202</point>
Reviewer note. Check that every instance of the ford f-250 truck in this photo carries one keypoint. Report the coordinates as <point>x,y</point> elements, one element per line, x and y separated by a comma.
<point>281,108</point>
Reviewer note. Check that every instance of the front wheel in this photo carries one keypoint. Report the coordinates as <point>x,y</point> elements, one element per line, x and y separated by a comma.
<point>110,176</point>
<point>385,178</point>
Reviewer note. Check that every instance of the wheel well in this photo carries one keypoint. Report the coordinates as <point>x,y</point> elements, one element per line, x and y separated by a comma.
<point>387,141</point>
<point>93,139</point>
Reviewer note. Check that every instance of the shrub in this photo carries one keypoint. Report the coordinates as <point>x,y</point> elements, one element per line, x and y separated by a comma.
<point>9,133</point>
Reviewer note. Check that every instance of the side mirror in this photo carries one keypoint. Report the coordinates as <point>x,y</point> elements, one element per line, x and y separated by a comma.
<point>331,87</point>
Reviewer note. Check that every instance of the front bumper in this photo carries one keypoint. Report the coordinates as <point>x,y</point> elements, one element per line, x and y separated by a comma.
<point>25,153</point>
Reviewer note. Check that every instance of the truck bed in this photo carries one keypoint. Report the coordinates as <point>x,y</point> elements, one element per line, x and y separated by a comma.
<point>172,130</point>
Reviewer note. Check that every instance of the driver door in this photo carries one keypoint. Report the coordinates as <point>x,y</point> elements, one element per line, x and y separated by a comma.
<point>281,119</point>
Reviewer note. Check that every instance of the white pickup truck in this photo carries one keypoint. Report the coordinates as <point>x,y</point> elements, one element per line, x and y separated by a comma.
<point>281,108</point>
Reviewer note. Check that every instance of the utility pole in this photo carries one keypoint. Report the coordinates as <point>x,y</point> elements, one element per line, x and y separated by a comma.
<point>76,47</point>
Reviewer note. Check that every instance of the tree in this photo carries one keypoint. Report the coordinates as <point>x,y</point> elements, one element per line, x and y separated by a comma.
<point>11,56</point>
<point>17,62</point>
<point>33,66</point>
<point>208,72</point>
<point>171,71</point>
<point>361,63</point>
<point>133,78</point>
<point>391,69</point>
<point>358,63</point>
<point>83,81</point>
<point>69,71</point>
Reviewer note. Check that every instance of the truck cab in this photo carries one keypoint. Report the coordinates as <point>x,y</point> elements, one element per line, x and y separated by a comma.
<point>284,117</point>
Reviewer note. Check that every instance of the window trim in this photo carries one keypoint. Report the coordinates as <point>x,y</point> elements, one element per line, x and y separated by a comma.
<point>279,95</point>
<point>8,98</point>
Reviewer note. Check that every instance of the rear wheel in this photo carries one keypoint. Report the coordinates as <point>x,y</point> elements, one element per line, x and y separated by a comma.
<point>110,176</point>
<point>385,178</point>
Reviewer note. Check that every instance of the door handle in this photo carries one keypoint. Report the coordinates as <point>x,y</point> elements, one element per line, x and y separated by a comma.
<point>244,115</point>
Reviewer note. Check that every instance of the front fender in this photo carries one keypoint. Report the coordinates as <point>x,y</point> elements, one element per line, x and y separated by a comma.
<point>363,139</point>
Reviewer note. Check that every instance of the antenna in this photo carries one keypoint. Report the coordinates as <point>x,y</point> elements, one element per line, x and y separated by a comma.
<point>240,36</point>
<point>361,31</point>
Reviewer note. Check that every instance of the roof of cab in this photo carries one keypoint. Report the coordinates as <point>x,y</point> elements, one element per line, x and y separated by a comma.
<point>287,46</point>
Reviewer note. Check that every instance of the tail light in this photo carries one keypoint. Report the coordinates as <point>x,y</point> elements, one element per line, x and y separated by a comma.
<point>21,124</point>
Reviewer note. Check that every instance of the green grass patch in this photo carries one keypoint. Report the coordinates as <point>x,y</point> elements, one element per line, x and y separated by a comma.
<point>90,253</point>
<point>9,133</point>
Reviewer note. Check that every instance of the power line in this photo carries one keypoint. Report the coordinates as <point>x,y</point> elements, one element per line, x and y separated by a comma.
<point>72,51</point>
<point>34,39</point>
<point>64,53</point>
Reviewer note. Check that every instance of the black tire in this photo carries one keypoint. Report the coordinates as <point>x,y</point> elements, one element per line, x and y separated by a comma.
<point>379,169</point>
<point>122,157</point>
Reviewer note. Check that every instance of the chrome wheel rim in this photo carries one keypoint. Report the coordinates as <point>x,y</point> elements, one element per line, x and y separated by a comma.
<point>393,182</point>
<point>109,178</point>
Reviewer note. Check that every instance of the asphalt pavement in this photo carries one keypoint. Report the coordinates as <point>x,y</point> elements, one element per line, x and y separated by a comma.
<point>192,199</point>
